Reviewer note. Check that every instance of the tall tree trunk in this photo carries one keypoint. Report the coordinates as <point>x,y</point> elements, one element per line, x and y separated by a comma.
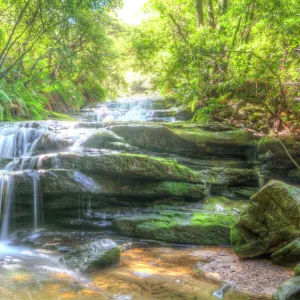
<point>211,14</point>
<point>200,14</point>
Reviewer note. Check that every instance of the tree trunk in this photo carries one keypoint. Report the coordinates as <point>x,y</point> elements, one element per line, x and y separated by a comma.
<point>211,15</point>
<point>200,14</point>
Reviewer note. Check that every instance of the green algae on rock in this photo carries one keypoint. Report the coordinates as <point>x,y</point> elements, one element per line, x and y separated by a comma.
<point>186,228</point>
<point>125,165</point>
<point>270,221</point>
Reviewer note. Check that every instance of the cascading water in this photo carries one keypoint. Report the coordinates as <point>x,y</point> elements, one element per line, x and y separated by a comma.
<point>130,110</point>
<point>17,141</point>
<point>6,198</point>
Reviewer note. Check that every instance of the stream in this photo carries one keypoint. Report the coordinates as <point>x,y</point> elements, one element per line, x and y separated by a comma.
<point>64,183</point>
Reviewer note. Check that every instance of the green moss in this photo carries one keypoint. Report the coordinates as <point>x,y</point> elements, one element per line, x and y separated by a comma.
<point>215,219</point>
<point>297,270</point>
<point>186,228</point>
<point>110,257</point>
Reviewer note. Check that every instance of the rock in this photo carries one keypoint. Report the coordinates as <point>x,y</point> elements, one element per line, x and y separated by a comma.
<point>297,270</point>
<point>187,228</point>
<point>294,176</point>
<point>51,142</point>
<point>220,293</point>
<point>183,112</point>
<point>230,176</point>
<point>92,256</point>
<point>288,254</point>
<point>270,221</point>
<point>188,141</point>
<point>135,166</point>
<point>271,149</point>
<point>289,290</point>
<point>102,139</point>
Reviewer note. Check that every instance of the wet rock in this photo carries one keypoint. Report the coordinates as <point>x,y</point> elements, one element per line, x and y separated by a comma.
<point>125,165</point>
<point>230,176</point>
<point>92,256</point>
<point>271,221</point>
<point>83,223</point>
<point>271,149</point>
<point>174,226</point>
<point>220,294</point>
<point>288,254</point>
<point>51,142</point>
<point>290,290</point>
<point>191,142</point>
<point>102,139</point>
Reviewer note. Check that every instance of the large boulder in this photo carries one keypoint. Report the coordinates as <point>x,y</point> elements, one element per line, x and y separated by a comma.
<point>271,221</point>
<point>92,256</point>
<point>204,228</point>
<point>289,290</point>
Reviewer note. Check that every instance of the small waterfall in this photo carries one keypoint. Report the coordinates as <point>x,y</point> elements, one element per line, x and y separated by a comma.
<point>6,199</point>
<point>130,110</point>
<point>35,181</point>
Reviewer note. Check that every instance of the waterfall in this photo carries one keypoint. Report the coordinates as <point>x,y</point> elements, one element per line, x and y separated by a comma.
<point>17,141</point>
<point>6,199</point>
<point>130,110</point>
<point>35,179</point>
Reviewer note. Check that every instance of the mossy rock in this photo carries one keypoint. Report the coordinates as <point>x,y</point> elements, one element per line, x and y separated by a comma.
<point>102,138</point>
<point>288,254</point>
<point>92,256</point>
<point>270,221</point>
<point>188,141</point>
<point>125,165</point>
<point>289,290</point>
<point>185,228</point>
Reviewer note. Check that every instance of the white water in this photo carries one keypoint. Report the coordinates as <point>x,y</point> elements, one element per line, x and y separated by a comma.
<point>129,110</point>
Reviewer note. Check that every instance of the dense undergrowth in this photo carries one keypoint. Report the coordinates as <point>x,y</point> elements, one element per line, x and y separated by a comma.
<point>233,60</point>
<point>55,56</point>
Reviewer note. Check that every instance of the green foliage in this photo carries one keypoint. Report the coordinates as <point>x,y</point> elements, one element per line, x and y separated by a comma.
<point>56,55</point>
<point>246,48</point>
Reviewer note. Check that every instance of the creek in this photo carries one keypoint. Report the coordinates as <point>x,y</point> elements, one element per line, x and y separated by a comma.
<point>133,171</point>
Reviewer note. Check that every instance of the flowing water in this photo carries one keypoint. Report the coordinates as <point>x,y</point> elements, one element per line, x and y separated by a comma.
<point>34,271</point>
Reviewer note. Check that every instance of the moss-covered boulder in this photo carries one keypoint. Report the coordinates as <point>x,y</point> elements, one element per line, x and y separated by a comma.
<point>124,165</point>
<point>271,221</point>
<point>289,290</point>
<point>92,256</point>
<point>187,228</point>
<point>288,254</point>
